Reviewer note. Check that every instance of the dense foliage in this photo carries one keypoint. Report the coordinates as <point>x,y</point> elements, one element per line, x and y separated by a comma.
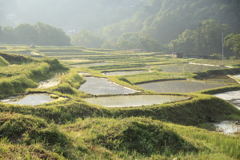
<point>196,25</point>
<point>234,41</point>
<point>38,34</point>
<point>192,27</point>
<point>205,40</point>
<point>164,20</point>
<point>86,39</point>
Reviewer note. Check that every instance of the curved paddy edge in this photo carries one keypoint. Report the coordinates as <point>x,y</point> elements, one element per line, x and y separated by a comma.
<point>197,110</point>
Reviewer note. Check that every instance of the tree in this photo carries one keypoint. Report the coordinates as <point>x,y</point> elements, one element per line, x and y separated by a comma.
<point>234,42</point>
<point>49,35</point>
<point>184,43</point>
<point>149,44</point>
<point>86,39</point>
<point>26,34</point>
<point>208,37</point>
<point>1,35</point>
<point>8,35</point>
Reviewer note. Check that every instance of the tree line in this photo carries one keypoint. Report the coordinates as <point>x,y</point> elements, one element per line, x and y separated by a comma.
<point>38,34</point>
<point>208,39</point>
<point>205,40</point>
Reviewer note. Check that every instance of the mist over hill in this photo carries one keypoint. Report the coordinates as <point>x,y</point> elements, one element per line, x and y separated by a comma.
<point>68,15</point>
<point>149,16</point>
<point>152,25</point>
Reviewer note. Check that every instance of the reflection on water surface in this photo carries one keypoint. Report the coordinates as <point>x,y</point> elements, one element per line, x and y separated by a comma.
<point>121,73</point>
<point>178,86</point>
<point>227,127</point>
<point>99,86</point>
<point>231,96</point>
<point>31,99</point>
<point>134,100</point>
<point>92,64</point>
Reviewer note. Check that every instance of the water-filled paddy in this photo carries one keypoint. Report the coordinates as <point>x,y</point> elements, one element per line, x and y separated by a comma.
<point>134,100</point>
<point>115,73</point>
<point>187,68</point>
<point>31,99</point>
<point>92,64</point>
<point>99,86</point>
<point>237,76</point>
<point>231,96</point>
<point>178,86</point>
<point>227,127</point>
<point>222,79</point>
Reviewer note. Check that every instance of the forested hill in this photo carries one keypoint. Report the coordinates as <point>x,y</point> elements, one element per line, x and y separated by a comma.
<point>193,27</point>
<point>165,20</point>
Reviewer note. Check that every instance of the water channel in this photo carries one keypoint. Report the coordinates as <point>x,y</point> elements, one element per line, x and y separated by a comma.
<point>178,86</point>
<point>100,86</point>
<point>134,100</point>
<point>31,99</point>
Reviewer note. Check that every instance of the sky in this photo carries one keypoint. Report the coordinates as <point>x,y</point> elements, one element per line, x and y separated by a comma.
<point>66,14</point>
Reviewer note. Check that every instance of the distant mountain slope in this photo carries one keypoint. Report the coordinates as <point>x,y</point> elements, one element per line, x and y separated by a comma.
<point>164,20</point>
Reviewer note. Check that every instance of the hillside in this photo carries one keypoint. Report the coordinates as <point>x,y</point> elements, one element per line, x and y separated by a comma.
<point>164,20</point>
<point>71,128</point>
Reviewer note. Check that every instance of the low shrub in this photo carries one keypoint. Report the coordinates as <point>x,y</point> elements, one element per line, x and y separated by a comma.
<point>208,73</point>
<point>3,62</point>
<point>16,84</point>
<point>13,126</point>
<point>17,59</point>
<point>73,79</point>
<point>55,65</point>
<point>199,109</point>
<point>64,88</point>
<point>141,135</point>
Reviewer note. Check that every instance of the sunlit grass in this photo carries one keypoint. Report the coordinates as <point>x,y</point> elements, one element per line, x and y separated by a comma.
<point>74,129</point>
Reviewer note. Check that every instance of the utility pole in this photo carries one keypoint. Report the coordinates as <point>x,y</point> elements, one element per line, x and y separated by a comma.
<point>222,48</point>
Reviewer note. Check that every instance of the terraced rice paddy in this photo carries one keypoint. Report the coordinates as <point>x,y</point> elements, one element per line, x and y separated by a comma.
<point>92,64</point>
<point>99,86</point>
<point>121,73</point>
<point>185,67</point>
<point>31,99</point>
<point>228,127</point>
<point>134,100</point>
<point>231,96</point>
<point>178,86</point>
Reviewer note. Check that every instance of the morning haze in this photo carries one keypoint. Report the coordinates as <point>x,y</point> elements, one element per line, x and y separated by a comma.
<point>120,79</point>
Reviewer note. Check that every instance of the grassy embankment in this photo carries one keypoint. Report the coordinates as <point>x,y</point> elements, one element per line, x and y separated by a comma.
<point>74,129</point>
<point>24,72</point>
<point>3,62</point>
<point>107,138</point>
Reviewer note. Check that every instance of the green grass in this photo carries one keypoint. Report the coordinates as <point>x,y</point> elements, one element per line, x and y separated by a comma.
<point>217,62</point>
<point>24,72</point>
<point>185,67</point>
<point>3,62</point>
<point>74,129</point>
<point>218,142</point>
<point>208,73</point>
<point>141,135</point>
<point>152,76</point>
